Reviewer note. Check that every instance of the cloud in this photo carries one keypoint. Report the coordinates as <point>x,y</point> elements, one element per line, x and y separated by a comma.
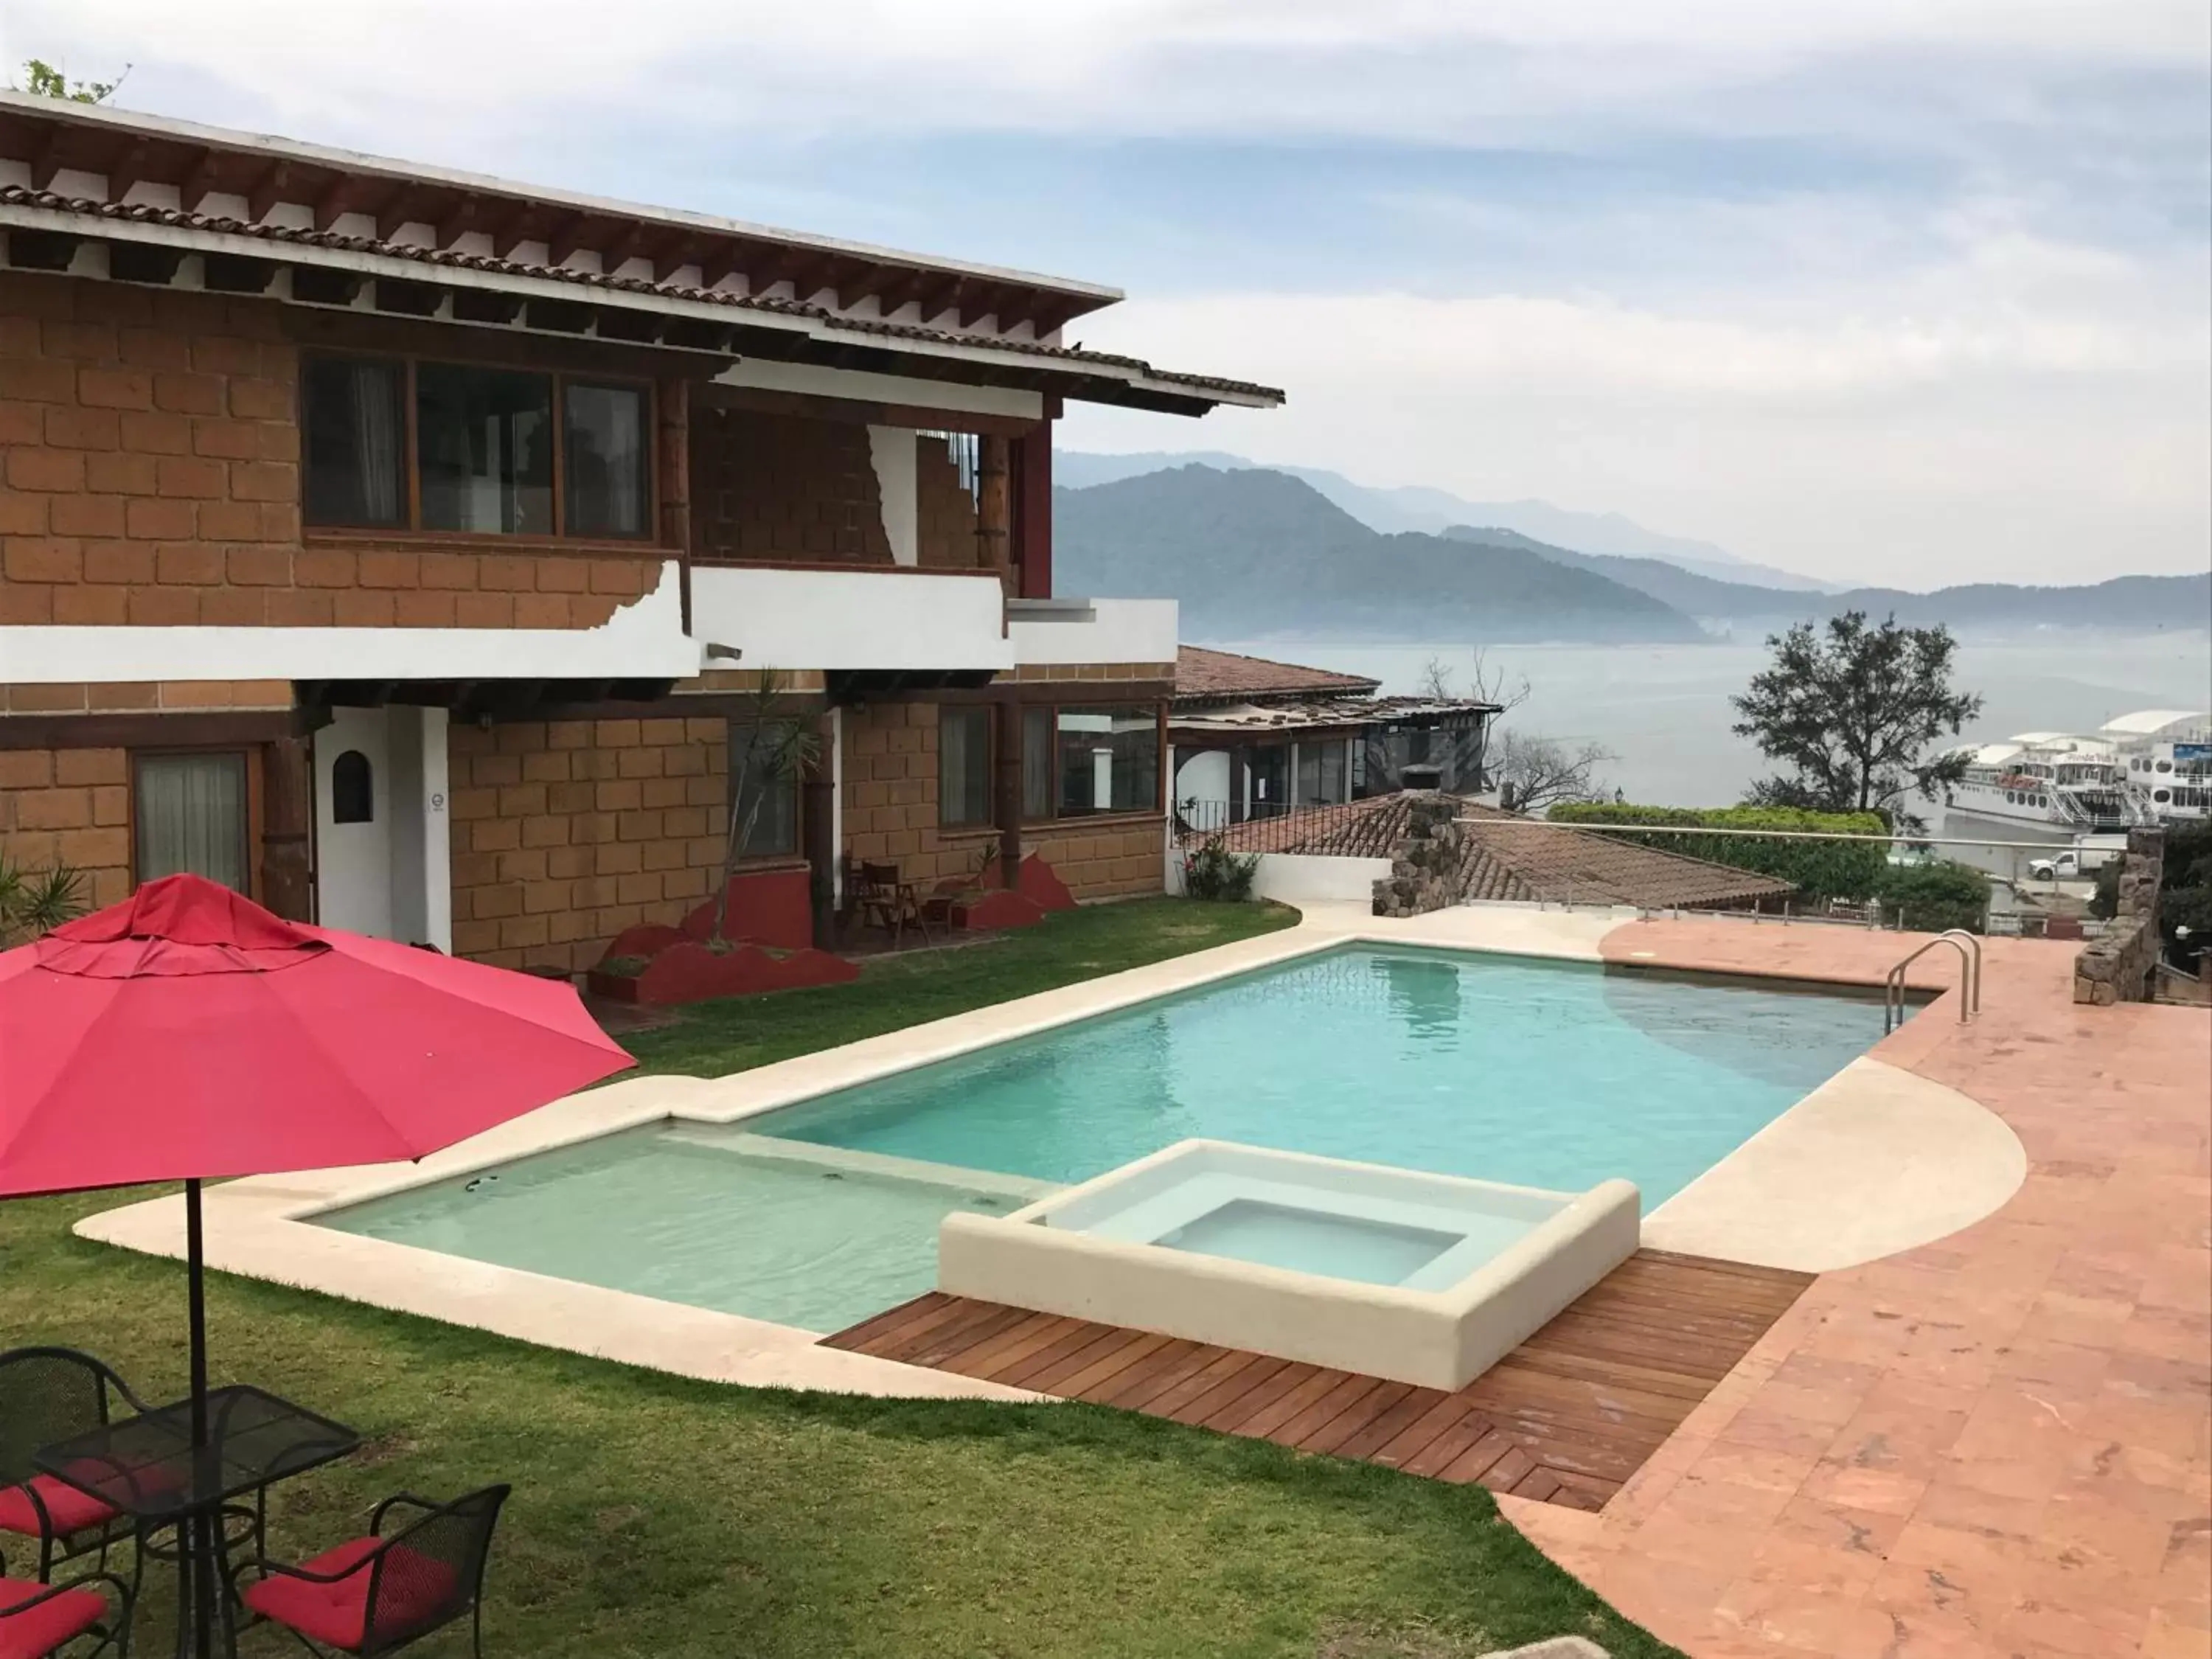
<point>1904,289</point>
<point>2039,413</point>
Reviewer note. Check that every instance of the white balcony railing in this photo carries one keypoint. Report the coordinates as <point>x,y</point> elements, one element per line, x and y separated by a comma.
<point>874,619</point>
<point>1048,632</point>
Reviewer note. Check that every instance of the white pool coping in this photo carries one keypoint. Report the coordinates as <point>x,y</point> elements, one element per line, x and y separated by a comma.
<point>1810,1184</point>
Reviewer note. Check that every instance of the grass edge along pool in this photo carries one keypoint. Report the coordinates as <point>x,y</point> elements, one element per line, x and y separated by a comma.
<point>1101,1251</point>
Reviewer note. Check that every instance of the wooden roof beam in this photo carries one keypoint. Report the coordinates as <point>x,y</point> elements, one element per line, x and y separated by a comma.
<point>513,230</point>
<point>457,222</point>
<point>199,181</point>
<point>942,297</point>
<point>628,244</point>
<point>570,237</point>
<point>723,259</point>
<point>268,191</point>
<point>335,201</point>
<point>126,170</point>
<point>674,256</point>
<point>399,208</point>
<point>47,163</point>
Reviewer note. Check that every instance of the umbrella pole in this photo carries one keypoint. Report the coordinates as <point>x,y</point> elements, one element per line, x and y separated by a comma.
<point>197,1536</point>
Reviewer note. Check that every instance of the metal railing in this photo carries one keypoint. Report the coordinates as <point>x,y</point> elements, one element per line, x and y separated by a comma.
<point>1269,827</point>
<point>1970,978</point>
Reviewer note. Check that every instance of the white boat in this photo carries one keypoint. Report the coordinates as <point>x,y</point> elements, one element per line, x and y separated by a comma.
<point>2050,780</point>
<point>2166,757</point>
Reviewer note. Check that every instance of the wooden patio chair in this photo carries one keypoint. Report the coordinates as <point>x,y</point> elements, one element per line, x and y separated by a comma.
<point>881,899</point>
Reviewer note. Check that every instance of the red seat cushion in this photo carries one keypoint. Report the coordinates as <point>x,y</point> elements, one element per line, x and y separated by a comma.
<point>35,1634</point>
<point>72,1511</point>
<point>412,1589</point>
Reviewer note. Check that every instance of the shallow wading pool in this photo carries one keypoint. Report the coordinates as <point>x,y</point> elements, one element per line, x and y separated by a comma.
<point>1533,1073</point>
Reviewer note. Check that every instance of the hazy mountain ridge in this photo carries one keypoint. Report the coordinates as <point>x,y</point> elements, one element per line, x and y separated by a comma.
<point>1257,551</point>
<point>2120,604</point>
<point>1417,506</point>
<point>1252,551</point>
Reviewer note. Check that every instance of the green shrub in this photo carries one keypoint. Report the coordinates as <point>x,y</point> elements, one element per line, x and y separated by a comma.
<point>1929,898</point>
<point>1818,869</point>
<point>1215,872</point>
<point>32,904</point>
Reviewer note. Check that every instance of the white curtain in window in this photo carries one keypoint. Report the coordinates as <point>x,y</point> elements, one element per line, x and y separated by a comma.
<point>191,812</point>
<point>376,437</point>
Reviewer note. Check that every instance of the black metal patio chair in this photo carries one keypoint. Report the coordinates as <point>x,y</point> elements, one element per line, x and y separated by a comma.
<point>48,1395</point>
<point>378,1593</point>
<point>38,1619</point>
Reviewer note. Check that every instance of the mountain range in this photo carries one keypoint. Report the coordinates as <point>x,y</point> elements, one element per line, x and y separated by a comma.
<point>1251,551</point>
<point>1416,507</point>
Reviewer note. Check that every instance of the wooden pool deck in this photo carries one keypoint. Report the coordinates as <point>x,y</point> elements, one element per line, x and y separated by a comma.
<point>1565,1419</point>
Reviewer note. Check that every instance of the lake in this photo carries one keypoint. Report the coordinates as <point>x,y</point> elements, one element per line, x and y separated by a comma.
<point>1663,710</point>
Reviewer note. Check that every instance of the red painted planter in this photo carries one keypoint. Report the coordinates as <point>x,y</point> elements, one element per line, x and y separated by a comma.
<point>691,972</point>
<point>767,907</point>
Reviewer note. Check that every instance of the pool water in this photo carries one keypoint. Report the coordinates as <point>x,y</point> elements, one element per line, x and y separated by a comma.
<point>1535,1074</point>
<point>1312,1241</point>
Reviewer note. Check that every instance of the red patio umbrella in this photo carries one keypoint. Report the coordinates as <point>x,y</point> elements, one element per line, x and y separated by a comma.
<point>188,1034</point>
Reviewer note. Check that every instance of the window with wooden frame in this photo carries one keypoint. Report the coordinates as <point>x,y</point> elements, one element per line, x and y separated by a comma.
<point>1080,761</point>
<point>192,810</point>
<point>963,766</point>
<point>399,443</point>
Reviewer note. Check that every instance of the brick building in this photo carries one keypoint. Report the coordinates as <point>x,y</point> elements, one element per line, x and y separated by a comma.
<point>416,551</point>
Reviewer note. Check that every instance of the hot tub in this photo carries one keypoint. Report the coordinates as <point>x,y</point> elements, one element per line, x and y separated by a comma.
<point>1423,1279</point>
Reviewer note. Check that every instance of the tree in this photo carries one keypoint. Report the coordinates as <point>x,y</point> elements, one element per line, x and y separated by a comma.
<point>43,79</point>
<point>1485,684</point>
<point>775,750</point>
<point>1534,772</point>
<point>1851,711</point>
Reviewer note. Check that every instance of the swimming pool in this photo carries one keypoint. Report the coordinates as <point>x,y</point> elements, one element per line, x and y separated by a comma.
<point>1536,1073</point>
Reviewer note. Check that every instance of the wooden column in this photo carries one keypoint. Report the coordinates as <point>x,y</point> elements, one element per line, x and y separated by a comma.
<point>672,480</point>
<point>994,509</point>
<point>1006,747</point>
<point>1031,464</point>
<point>287,825</point>
<point>817,815</point>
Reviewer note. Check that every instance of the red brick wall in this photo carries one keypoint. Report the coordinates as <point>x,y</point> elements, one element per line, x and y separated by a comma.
<point>781,488</point>
<point>149,449</point>
<point>69,806</point>
<point>945,513</point>
<point>566,832</point>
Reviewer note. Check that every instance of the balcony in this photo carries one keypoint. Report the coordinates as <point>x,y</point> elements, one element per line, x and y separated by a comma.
<point>1064,632</point>
<point>796,619</point>
<point>912,621</point>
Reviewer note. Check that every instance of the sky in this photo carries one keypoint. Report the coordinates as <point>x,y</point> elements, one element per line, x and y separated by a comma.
<point>1903,291</point>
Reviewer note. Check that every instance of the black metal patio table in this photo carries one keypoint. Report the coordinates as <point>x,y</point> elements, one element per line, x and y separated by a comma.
<point>147,1468</point>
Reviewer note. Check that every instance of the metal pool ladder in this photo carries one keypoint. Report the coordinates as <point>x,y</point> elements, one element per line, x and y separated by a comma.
<point>1970,978</point>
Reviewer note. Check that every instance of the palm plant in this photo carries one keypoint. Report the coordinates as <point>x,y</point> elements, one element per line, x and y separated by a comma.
<point>33,903</point>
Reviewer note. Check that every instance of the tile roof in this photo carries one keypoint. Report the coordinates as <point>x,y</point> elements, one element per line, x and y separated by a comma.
<point>122,216</point>
<point>1201,674</point>
<point>1513,858</point>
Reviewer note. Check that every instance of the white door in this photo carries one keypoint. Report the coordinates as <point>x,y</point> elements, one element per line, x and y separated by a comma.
<point>353,822</point>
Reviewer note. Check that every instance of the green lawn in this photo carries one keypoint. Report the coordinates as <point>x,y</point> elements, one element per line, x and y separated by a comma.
<point>660,1517</point>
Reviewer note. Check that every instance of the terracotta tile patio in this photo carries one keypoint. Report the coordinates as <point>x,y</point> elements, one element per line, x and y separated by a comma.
<point>1998,1446</point>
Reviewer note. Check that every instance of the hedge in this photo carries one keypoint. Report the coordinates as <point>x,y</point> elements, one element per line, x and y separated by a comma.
<point>1931,898</point>
<point>1819,869</point>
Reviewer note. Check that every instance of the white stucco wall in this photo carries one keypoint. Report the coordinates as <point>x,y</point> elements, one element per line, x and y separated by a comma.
<point>1306,879</point>
<point>644,639</point>
<point>891,449</point>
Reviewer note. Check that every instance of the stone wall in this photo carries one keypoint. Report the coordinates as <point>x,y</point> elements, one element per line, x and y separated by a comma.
<point>2119,966</point>
<point>566,832</point>
<point>785,489</point>
<point>1426,867</point>
<point>149,445</point>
